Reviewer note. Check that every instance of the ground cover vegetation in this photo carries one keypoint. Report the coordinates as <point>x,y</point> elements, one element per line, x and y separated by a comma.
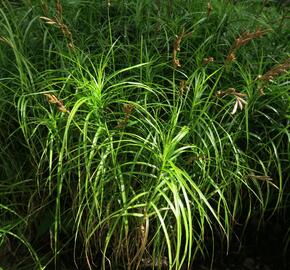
<point>140,134</point>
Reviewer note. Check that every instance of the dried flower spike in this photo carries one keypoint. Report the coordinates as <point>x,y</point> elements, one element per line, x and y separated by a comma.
<point>48,20</point>
<point>183,87</point>
<point>58,21</point>
<point>58,8</point>
<point>207,60</point>
<point>239,103</point>
<point>209,8</point>
<point>231,57</point>
<point>128,108</point>
<point>276,71</point>
<point>176,47</point>
<point>59,104</point>
<point>241,41</point>
<point>272,73</point>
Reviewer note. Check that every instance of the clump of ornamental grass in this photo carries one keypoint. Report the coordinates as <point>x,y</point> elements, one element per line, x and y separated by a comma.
<point>141,166</point>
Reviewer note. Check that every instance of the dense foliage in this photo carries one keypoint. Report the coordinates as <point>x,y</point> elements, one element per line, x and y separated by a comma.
<point>139,133</point>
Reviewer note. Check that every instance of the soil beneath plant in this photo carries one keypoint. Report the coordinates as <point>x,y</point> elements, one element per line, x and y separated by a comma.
<point>261,249</point>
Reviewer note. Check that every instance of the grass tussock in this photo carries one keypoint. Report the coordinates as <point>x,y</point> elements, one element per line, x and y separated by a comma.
<point>126,146</point>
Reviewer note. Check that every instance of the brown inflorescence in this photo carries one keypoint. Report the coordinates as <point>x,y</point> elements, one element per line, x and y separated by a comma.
<point>272,73</point>
<point>58,103</point>
<point>241,41</point>
<point>58,21</point>
<point>239,103</point>
<point>176,47</point>
<point>127,108</point>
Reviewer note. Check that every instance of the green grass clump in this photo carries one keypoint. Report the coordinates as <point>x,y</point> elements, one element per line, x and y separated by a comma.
<point>136,134</point>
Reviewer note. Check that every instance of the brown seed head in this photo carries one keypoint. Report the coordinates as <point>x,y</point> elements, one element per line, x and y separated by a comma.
<point>209,8</point>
